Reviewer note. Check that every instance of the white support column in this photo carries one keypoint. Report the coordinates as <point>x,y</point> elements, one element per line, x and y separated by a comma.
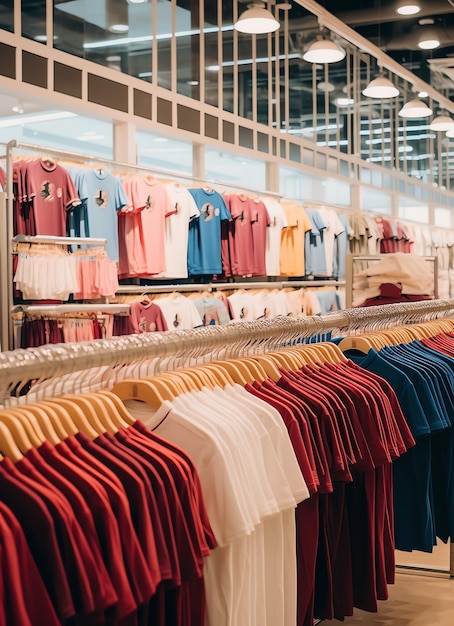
<point>272,176</point>
<point>124,142</point>
<point>198,160</point>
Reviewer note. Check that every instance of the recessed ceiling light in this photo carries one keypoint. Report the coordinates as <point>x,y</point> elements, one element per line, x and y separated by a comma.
<point>18,109</point>
<point>43,38</point>
<point>193,83</point>
<point>344,102</point>
<point>326,87</point>
<point>423,94</point>
<point>408,9</point>
<point>113,58</point>
<point>429,44</point>
<point>137,1</point>
<point>119,28</point>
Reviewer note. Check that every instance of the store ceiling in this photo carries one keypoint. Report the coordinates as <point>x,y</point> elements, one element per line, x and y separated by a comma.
<point>398,35</point>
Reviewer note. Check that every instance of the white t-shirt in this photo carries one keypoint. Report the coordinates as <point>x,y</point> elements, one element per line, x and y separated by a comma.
<point>334,227</point>
<point>278,221</point>
<point>180,313</point>
<point>243,307</point>
<point>177,230</point>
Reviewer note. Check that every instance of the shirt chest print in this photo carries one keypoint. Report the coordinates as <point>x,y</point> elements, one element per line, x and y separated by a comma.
<point>208,212</point>
<point>149,203</point>
<point>48,191</point>
<point>101,198</point>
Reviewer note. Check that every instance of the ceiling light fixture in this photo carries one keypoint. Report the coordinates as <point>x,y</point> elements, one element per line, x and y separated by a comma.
<point>408,8</point>
<point>381,87</point>
<point>450,133</point>
<point>324,50</point>
<point>442,122</point>
<point>423,94</point>
<point>137,1</point>
<point>344,102</point>
<point>119,28</point>
<point>429,36</point>
<point>256,20</point>
<point>415,108</point>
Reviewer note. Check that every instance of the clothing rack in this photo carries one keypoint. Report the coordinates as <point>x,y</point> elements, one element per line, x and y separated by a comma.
<point>117,309</point>
<point>213,287</point>
<point>61,241</point>
<point>19,366</point>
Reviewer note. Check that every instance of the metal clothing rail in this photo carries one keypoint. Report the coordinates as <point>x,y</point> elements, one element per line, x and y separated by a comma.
<point>63,241</point>
<point>19,366</point>
<point>213,287</point>
<point>118,309</point>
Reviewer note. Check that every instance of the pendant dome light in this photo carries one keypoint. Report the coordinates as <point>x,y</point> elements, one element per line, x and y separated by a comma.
<point>450,133</point>
<point>324,50</point>
<point>381,87</point>
<point>442,122</point>
<point>256,20</point>
<point>415,108</point>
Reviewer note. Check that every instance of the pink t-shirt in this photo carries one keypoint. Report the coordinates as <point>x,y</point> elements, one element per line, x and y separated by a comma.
<point>260,220</point>
<point>147,317</point>
<point>142,227</point>
<point>52,191</point>
<point>241,253</point>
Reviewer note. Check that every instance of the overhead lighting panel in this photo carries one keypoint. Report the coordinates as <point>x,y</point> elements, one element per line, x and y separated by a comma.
<point>408,8</point>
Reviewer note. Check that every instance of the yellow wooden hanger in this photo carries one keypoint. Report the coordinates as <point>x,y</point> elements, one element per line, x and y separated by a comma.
<point>17,431</point>
<point>103,411</point>
<point>46,424</point>
<point>143,390</point>
<point>124,415</point>
<point>255,366</point>
<point>89,409</point>
<point>268,366</point>
<point>60,419</point>
<point>237,370</point>
<point>177,383</point>
<point>8,445</point>
<point>217,376</point>
<point>362,343</point>
<point>77,416</point>
<point>30,425</point>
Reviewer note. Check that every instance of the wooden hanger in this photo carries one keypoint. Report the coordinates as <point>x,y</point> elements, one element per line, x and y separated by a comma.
<point>60,419</point>
<point>261,368</point>
<point>103,411</point>
<point>8,445</point>
<point>89,409</point>
<point>362,344</point>
<point>219,377</point>
<point>77,416</point>
<point>30,425</point>
<point>124,415</point>
<point>237,370</point>
<point>143,390</point>
<point>46,424</point>
<point>17,431</point>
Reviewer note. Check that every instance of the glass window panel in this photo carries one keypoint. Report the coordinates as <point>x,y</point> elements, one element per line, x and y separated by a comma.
<point>375,201</point>
<point>7,15</point>
<point>366,175</point>
<point>62,130</point>
<point>245,76</point>
<point>411,209</point>
<point>227,59</point>
<point>164,153</point>
<point>307,187</point>
<point>228,167</point>
<point>211,57</point>
<point>442,217</point>
<point>34,20</point>
<point>114,34</point>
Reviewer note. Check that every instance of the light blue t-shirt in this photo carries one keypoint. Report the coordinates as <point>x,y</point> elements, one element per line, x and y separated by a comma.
<point>204,245</point>
<point>103,195</point>
<point>314,249</point>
